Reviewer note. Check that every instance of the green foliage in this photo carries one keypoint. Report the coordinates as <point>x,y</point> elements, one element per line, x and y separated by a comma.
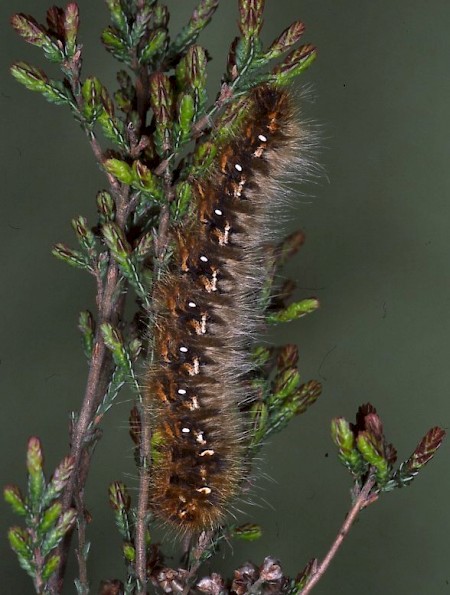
<point>363,449</point>
<point>46,523</point>
<point>165,136</point>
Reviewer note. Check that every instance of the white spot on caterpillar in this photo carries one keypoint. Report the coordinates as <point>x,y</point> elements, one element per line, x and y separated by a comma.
<point>199,438</point>
<point>181,391</point>
<point>185,430</point>
<point>218,212</point>
<point>203,324</point>
<point>214,281</point>
<point>193,405</point>
<point>207,453</point>
<point>192,305</point>
<point>206,491</point>
<point>196,366</point>
<point>183,349</point>
<point>238,167</point>
<point>262,138</point>
<point>203,259</point>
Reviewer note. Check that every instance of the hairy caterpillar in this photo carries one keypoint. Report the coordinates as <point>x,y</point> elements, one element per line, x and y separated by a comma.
<point>209,313</point>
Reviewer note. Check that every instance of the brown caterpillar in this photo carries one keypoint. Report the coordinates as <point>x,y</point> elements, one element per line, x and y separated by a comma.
<point>209,313</point>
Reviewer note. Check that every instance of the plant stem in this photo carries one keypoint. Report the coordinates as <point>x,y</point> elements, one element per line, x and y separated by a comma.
<point>142,510</point>
<point>363,499</point>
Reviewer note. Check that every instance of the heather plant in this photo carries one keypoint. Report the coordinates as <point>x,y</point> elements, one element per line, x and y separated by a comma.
<point>163,132</point>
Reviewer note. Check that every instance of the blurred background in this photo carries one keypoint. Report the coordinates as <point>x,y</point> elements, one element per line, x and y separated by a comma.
<point>377,256</point>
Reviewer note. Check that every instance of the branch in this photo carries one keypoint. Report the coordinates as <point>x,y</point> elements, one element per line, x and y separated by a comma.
<point>363,499</point>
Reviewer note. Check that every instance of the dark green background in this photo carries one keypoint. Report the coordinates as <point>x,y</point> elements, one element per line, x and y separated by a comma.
<point>377,256</point>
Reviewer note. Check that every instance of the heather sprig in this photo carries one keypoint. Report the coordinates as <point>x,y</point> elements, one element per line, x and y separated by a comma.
<point>162,132</point>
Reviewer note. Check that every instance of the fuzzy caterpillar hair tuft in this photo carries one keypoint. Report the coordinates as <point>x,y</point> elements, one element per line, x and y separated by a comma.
<point>209,312</point>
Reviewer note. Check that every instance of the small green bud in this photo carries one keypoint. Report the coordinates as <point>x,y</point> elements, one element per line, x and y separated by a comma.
<point>86,325</point>
<point>71,25</point>
<point>287,39</point>
<point>117,243</point>
<point>119,497</point>
<point>106,206</point>
<point>284,384</point>
<point>184,195</point>
<point>84,234</point>
<point>129,552</point>
<point>120,169</point>
<point>91,91</point>
<point>250,17</point>
<point>36,481</point>
<point>247,532</point>
<point>261,355</point>
<point>294,311</point>
<point>145,180</point>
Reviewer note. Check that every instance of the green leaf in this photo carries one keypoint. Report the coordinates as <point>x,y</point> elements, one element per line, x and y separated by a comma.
<point>50,566</point>
<point>19,541</point>
<point>198,21</point>
<point>31,77</point>
<point>294,311</point>
<point>295,63</point>
<point>118,17</point>
<point>35,79</point>
<point>15,499</point>
<point>161,100</point>
<point>287,39</point>
<point>28,28</point>
<point>59,480</point>
<point>183,198</point>
<point>367,446</point>
<point>49,517</point>
<point>422,454</point>
<point>117,243</point>
<point>115,44</point>
<point>72,257</point>
<point>54,537</point>
<point>155,44</point>
<point>186,114</point>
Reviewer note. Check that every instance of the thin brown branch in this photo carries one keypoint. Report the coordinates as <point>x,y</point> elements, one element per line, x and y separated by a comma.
<point>363,499</point>
<point>110,309</point>
<point>142,509</point>
<point>203,543</point>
